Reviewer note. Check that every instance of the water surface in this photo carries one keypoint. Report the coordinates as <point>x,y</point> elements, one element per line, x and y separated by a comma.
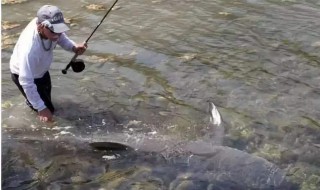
<point>151,68</point>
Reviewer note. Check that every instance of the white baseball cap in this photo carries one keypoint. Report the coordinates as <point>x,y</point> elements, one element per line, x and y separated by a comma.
<point>53,18</point>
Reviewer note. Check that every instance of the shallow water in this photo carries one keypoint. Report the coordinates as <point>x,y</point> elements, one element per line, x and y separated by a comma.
<point>151,68</point>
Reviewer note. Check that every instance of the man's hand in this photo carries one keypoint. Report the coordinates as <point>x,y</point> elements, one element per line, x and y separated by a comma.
<point>79,49</point>
<point>45,115</point>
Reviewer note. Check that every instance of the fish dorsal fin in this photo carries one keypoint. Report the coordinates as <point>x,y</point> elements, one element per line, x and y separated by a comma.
<point>215,117</point>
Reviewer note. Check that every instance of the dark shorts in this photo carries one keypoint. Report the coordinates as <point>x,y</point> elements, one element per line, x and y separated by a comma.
<point>43,87</point>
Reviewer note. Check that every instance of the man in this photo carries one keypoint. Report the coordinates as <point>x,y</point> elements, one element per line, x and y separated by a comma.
<point>33,54</point>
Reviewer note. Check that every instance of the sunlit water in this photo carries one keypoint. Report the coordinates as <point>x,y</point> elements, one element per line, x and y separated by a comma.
<point>151,69</point>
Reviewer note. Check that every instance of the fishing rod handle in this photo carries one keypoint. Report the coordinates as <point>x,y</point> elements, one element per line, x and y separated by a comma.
<point>64,71</point>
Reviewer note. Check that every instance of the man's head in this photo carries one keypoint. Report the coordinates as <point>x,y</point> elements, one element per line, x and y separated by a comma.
<point>51,17</point>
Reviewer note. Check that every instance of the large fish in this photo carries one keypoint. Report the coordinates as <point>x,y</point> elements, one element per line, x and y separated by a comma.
<point>201,164</point>
<point>208,161</point>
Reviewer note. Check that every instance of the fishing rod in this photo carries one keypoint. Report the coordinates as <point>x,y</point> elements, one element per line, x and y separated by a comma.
<point>78,64</point>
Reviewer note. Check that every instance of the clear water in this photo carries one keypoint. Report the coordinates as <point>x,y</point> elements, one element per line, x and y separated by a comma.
<point>151,67</point>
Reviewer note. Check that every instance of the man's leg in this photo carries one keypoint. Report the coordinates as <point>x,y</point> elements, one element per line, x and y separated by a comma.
<point>15,79</point>
<point>43,87</point>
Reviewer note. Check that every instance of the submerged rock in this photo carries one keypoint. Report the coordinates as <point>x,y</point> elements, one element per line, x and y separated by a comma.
<point>4,2</point>
<point>6,25</point>
<point>96,7</point>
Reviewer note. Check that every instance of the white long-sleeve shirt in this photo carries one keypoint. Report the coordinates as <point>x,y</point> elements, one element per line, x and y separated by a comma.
<point>30,60</point>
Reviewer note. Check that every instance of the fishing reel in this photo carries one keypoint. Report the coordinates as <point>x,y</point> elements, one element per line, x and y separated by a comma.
<point>77,66</point>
